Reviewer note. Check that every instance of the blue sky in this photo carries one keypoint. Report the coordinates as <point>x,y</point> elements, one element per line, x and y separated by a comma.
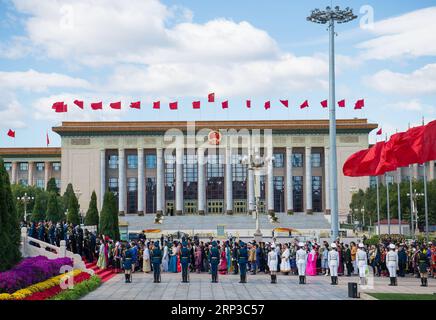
<point>181,50</point>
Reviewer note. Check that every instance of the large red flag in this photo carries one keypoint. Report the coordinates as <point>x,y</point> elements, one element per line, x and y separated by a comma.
<point>135,105</point>
<point>285,103</point>
<point>324,103</point>
<point>173,105</point>
<point>363,162</point>
<point>11,133</point>
<point>211,97</point>
<point>115,105</point>
<point>341,103</point>
<point>305,104</point>
<point>59,106</point>
<point>267,105</point>
<point>225,104</point>
<point>248,103</point>
<point>428,150</point>
<point>79,103</point>
<point>156,105</point>
<point>97,105</point>
<point>195,104</point>
<point>359,104</point>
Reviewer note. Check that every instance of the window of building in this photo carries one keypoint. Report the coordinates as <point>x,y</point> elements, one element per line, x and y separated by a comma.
<point>239,177</point>
<point>113,161</point>
<point>215,176</point>
<point>8,166</point>
<point>297,160</point>
<point>132,161</point>
<point>316,160</point>
<point>372,182</point>
<point>113,185</point>
<point>279,160</point>
<point>389,179</point>
<point>170,176</point>
<point>40,166</point>
<point>150,161</point>
<point>279,194</point>
<point>190,176</point>
<point>132,184</point>
<point>317,193</point>
<point>40,183</point>
<point>150,195</point>
<point>56,166</point>
<point>23,182</point>
<point>132,195</point>
<point>297,184</point>
<point>58,183</point>
<point>24,166</point>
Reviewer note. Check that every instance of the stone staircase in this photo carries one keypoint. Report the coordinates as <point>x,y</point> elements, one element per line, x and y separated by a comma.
<point>103,274</point>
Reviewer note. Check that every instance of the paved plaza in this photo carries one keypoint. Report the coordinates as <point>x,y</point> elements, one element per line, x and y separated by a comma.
<point>258,287</point>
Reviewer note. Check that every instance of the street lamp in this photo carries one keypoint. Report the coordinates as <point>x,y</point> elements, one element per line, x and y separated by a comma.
<point>330,16</point>
<point>78,193</point>
<point>414,208</point>
<point>25,200</point>
<point>363,217</point>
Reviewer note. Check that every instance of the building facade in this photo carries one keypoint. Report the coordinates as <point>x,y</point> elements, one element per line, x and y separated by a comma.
<point>197,168</point>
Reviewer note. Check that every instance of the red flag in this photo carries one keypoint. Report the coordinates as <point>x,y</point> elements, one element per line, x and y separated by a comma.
<point>285,103</point>
<point>211,97</point>
<point>47,139</point>
<point>267,105</point>
<point>341,103</point>
<point>11,133</point>
<point>173,105</point>
<point>59,106</point>
<point>305,104</point>
<point>324,103</point>
<point>359,104</point>
<point>248,103</point>
<point>225,104</point>
<point>135,105</point>
<point>379,132</point>
<point>156,105</point>
<point>196,104</point>
<point>115,105</point>
<point>363,162</point>
<point>428,149</point>
<point>97,105</point>
<point>79,103</point>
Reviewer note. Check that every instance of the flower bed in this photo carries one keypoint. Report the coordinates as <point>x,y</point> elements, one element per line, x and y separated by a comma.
<point>79,290</point>
<point>31,271</point>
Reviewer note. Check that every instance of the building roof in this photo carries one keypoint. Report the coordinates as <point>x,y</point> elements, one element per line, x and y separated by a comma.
<point>149,127</point>
<point>13,152</point>
<point>393,222</point>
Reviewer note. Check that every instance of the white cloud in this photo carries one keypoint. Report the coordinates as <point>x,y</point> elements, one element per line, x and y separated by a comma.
<point>420,81</point>
<point>32,80</point>
<point>410,35</point>
<point>12,115</point>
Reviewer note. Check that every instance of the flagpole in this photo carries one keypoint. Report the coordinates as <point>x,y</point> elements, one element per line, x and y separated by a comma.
<point>412,213</point>
<point>388,210</point>
<point>425,196</point>
<point>378,205</point>
<point>399,199</point>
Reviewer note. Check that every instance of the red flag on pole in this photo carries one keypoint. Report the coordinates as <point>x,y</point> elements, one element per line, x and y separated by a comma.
<point>267,105</point>
<point>359,104</point>
<point>11,133</point>
<point>285,103</point>
<point>195,104</point>
<point>305,104</point>
<point>225,104</point>
<point>341,103</point>
<point>173,105</point>
<point>59,106</point>
<point>248,103</point>
<point>47,139</point>
<point>97,105</point>
<point>211,97</point>
<point>379,132</point>
<point>324,103</point>
<point>156,105</point>
<point>79,103</point>
<point>135,105</point>
<point>364,162</point>
<point>115,105</point>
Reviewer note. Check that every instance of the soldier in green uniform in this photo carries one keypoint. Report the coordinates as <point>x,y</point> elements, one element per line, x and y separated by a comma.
<point>214,260</point>
<point>242,261</point>
<point>156,260</point>
<point>423,265</point>
<point>185,260</point>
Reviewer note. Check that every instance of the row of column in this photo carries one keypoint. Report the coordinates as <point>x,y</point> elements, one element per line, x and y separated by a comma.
<point>30,172</point>
<point>201,183</point>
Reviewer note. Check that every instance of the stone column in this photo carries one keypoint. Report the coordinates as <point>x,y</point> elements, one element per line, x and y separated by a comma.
<point>102,176</point>
<point>14,172</point>
<point>327,180</point>
<point>141,182</point>
<point>159,181</point>
<point>270,177</point>
<point>308,167</point>
<point>201,182</point>
<point>31,165</point>
<point>121,182</point>
<point>46,173</point>
<point>289,186</point>
<point>179,181</point>
<point>229,181</point>
<point>431,170</point>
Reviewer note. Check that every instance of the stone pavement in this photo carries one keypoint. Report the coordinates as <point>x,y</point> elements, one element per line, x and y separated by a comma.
<point>228,288</point>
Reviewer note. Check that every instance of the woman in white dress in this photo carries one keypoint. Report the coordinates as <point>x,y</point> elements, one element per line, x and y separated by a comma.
<point>285,265</point>
<point>165,258</point>
<point>146,267</point>
<point>272,263</point>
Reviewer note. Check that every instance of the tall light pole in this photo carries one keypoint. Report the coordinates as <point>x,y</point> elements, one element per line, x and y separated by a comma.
<point>414,196</point>
<point>329,16</point>
<point>26,199</point>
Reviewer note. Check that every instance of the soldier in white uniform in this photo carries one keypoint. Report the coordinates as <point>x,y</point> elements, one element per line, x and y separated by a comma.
<point>333,261</point>
<point>301,258</point>
<point>272,263</point>
<point>362,262</point>
<point>392,264</point>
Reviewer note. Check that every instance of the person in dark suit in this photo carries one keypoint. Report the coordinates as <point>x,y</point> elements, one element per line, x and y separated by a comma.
<point>214,260</point>
<point>347,260</point>
<point>156,259</point>
<point>242,261</point>
<point>185,259</point>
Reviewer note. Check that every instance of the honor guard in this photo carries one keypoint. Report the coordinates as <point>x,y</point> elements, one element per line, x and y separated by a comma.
<point>214,260</point>
<point>272,263</point>
<point>242,261</point>
<point>127,265</point>
<point>185,260</point>
<point>333,261</point>
<point>392,264</point>
<point>301,258</point>
<point>362,262</point>
<point>423,265</point>
<point>156,260</point>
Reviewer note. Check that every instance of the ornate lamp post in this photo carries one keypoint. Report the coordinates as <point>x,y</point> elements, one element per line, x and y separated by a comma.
<point>25,199</point>
<point>414,196</point>
<point>329,16</point>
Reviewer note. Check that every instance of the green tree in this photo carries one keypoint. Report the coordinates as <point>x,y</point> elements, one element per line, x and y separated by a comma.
<point>39,210</point>
<point>91,218</point>
<point>54,208</point>
<point>69,191</point>
<point>109,217</point>
<point>9,225</point>
<point>52,187</point>
<point>73,210</point>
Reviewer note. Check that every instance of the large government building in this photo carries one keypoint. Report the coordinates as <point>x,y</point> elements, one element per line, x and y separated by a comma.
<point>197,168</point>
